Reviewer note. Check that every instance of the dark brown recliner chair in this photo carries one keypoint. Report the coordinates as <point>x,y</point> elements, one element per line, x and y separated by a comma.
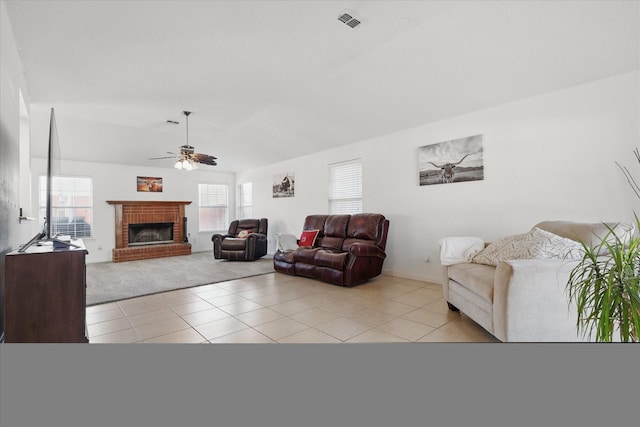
<point>233,246</point>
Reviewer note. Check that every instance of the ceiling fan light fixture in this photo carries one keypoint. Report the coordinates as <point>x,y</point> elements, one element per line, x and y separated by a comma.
<point>188,159</point>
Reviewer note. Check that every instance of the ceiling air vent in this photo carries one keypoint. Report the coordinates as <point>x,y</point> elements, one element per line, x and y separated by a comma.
<point>348,19</point>
<point>353,23</point>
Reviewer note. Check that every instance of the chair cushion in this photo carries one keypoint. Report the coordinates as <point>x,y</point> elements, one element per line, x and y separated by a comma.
<point>336,226</point>
<point>248,224</point>
<point>305,255</point>
<point>364,226</point>
<point>477,278</point>
<point>234,244</point>
<point>331,259</point>
<point>284,256</point>
<point>315,222</point>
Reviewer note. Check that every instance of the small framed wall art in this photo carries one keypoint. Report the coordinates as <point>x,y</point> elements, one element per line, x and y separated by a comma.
<point>149,184</point>
<point>284,184</point>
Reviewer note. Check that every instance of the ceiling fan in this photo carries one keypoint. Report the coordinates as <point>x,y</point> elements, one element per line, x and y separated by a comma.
<point>188,159</point>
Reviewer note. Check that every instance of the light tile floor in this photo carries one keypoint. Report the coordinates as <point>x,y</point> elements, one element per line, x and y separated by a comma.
<point>277,308</point>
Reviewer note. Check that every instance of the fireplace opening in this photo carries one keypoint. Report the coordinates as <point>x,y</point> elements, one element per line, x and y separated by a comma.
<point>155,233</point>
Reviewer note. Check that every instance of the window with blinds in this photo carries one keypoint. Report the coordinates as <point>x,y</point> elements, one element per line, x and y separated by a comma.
<point>71,205</point>
<point>213,211</point>
<point>345,187</point>
<point>245,198</point>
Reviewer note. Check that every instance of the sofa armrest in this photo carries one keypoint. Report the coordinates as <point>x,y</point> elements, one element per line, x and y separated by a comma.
<point>530,301</point>
<point>366,250</point>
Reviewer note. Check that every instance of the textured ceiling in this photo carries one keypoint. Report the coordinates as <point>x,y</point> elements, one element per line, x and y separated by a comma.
<point>271,80</point>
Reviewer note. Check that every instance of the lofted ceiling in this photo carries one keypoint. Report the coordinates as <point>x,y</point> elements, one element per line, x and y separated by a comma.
<point>272,80</point>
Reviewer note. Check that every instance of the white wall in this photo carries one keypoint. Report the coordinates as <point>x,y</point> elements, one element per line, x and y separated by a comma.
<point>12,83</point>
<point>550,157</point>
<point>118,182</point>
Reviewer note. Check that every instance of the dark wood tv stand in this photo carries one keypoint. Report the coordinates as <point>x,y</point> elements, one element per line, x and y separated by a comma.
<point>45,295</point>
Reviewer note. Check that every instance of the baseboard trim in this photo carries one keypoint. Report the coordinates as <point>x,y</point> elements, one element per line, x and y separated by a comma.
<point>421,278</point>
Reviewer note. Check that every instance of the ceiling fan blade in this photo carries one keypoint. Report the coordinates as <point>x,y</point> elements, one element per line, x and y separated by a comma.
<point>204,159</point>
<point>187,156</point>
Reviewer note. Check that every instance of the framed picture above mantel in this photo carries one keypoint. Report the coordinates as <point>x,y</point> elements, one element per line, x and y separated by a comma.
<point>152,184</point>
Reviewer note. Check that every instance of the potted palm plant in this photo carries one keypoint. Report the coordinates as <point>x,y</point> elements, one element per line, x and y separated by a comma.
<point>605,286</point>
<point>605,283</point>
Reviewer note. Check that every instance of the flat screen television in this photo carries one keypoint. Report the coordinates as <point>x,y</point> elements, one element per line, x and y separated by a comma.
<point>53,157</point>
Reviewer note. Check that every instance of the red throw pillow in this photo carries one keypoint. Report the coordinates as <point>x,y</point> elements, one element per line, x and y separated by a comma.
<point>308,238</point>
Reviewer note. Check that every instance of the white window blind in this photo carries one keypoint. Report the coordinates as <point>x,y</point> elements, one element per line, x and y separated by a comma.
<point>345,187</point>
<point>71,205</point>
<point>245,197</point>
<point>213,212</point>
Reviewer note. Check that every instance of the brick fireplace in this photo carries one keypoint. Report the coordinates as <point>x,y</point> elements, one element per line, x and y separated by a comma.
<point>162,223</point>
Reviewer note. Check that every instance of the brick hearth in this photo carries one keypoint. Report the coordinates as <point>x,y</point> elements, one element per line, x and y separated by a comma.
<point>137,212</point>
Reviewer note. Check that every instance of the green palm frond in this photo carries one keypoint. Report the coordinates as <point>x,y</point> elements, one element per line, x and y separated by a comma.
<point>605,286</point>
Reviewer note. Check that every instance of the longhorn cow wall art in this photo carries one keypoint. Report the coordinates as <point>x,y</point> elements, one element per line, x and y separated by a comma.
<point>149,184</point>
<point>457,160</point>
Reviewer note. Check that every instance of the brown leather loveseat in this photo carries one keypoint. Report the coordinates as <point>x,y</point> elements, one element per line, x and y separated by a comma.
<point>348,250</point>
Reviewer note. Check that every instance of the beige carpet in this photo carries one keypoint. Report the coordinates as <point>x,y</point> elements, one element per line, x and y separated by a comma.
<point>113,281</point>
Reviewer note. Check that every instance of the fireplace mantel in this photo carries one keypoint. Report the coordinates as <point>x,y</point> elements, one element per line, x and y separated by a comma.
<point>147,211</point>
<point>147,202</point>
